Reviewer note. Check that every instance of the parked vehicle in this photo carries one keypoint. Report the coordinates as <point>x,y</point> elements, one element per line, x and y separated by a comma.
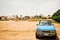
<point>45,29</point>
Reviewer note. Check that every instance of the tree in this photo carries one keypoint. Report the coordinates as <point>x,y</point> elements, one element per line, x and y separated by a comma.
<point>20,16</point>
<point>26,17</point>
<point>40,16</point>
<point>49,17</point>
<point>56,16</point>
<point>16,16</point>
<point>36,16</point>
<point>13,16</point>
<point>0,18</point>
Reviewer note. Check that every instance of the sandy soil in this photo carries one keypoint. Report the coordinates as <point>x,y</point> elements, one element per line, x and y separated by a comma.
<point>21,30</point>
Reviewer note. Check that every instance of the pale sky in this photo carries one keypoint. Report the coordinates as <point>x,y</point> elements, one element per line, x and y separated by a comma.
<point>28,7</point>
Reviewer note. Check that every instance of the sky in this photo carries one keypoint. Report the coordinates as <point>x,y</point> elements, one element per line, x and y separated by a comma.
<point>28,7</point>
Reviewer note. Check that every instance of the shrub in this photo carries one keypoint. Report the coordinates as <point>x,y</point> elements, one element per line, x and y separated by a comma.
<point>56,16</point>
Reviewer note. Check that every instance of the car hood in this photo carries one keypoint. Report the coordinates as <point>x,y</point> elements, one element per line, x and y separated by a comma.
<point>46,27</point>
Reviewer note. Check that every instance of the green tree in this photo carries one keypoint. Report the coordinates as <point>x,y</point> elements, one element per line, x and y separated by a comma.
<point>40,16</point>
<point>26,17</point>
<point>56,16</point>
<point>36,17</point>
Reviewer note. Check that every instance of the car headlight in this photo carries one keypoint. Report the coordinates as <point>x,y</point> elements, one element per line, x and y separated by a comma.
<point>52,31</point>
<point>39,32</point>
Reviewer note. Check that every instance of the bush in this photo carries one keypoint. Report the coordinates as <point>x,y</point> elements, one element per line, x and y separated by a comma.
<point>56,16</point>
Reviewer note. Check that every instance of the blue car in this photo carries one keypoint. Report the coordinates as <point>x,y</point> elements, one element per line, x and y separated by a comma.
<point>45,29</point>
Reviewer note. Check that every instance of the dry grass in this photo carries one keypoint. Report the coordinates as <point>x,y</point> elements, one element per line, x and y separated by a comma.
<point>20,30</point>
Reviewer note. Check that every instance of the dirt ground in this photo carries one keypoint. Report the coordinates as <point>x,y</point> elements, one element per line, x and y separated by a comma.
<point>21,30</point>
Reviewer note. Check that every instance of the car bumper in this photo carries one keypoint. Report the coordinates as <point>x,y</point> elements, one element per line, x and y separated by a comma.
<point>47,35</point>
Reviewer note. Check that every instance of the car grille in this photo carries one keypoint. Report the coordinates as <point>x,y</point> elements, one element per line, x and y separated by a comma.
<point>46,31</point>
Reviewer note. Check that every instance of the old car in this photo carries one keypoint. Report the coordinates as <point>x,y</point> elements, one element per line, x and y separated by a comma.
<point>45,29</point>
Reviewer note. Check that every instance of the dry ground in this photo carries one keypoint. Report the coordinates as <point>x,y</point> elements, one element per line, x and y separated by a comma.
<point>21,30</point>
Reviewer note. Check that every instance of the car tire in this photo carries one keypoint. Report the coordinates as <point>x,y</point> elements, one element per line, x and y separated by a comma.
<point>54,38</point>
<point>37,36</point>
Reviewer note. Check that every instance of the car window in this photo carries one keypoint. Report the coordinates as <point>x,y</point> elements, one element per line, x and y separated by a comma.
<point>45,23</point>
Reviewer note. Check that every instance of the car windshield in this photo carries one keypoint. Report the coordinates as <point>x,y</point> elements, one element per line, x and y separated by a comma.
<point>45,23</point>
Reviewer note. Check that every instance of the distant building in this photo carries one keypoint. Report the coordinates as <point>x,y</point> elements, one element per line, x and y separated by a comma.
<point>4,18</point>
